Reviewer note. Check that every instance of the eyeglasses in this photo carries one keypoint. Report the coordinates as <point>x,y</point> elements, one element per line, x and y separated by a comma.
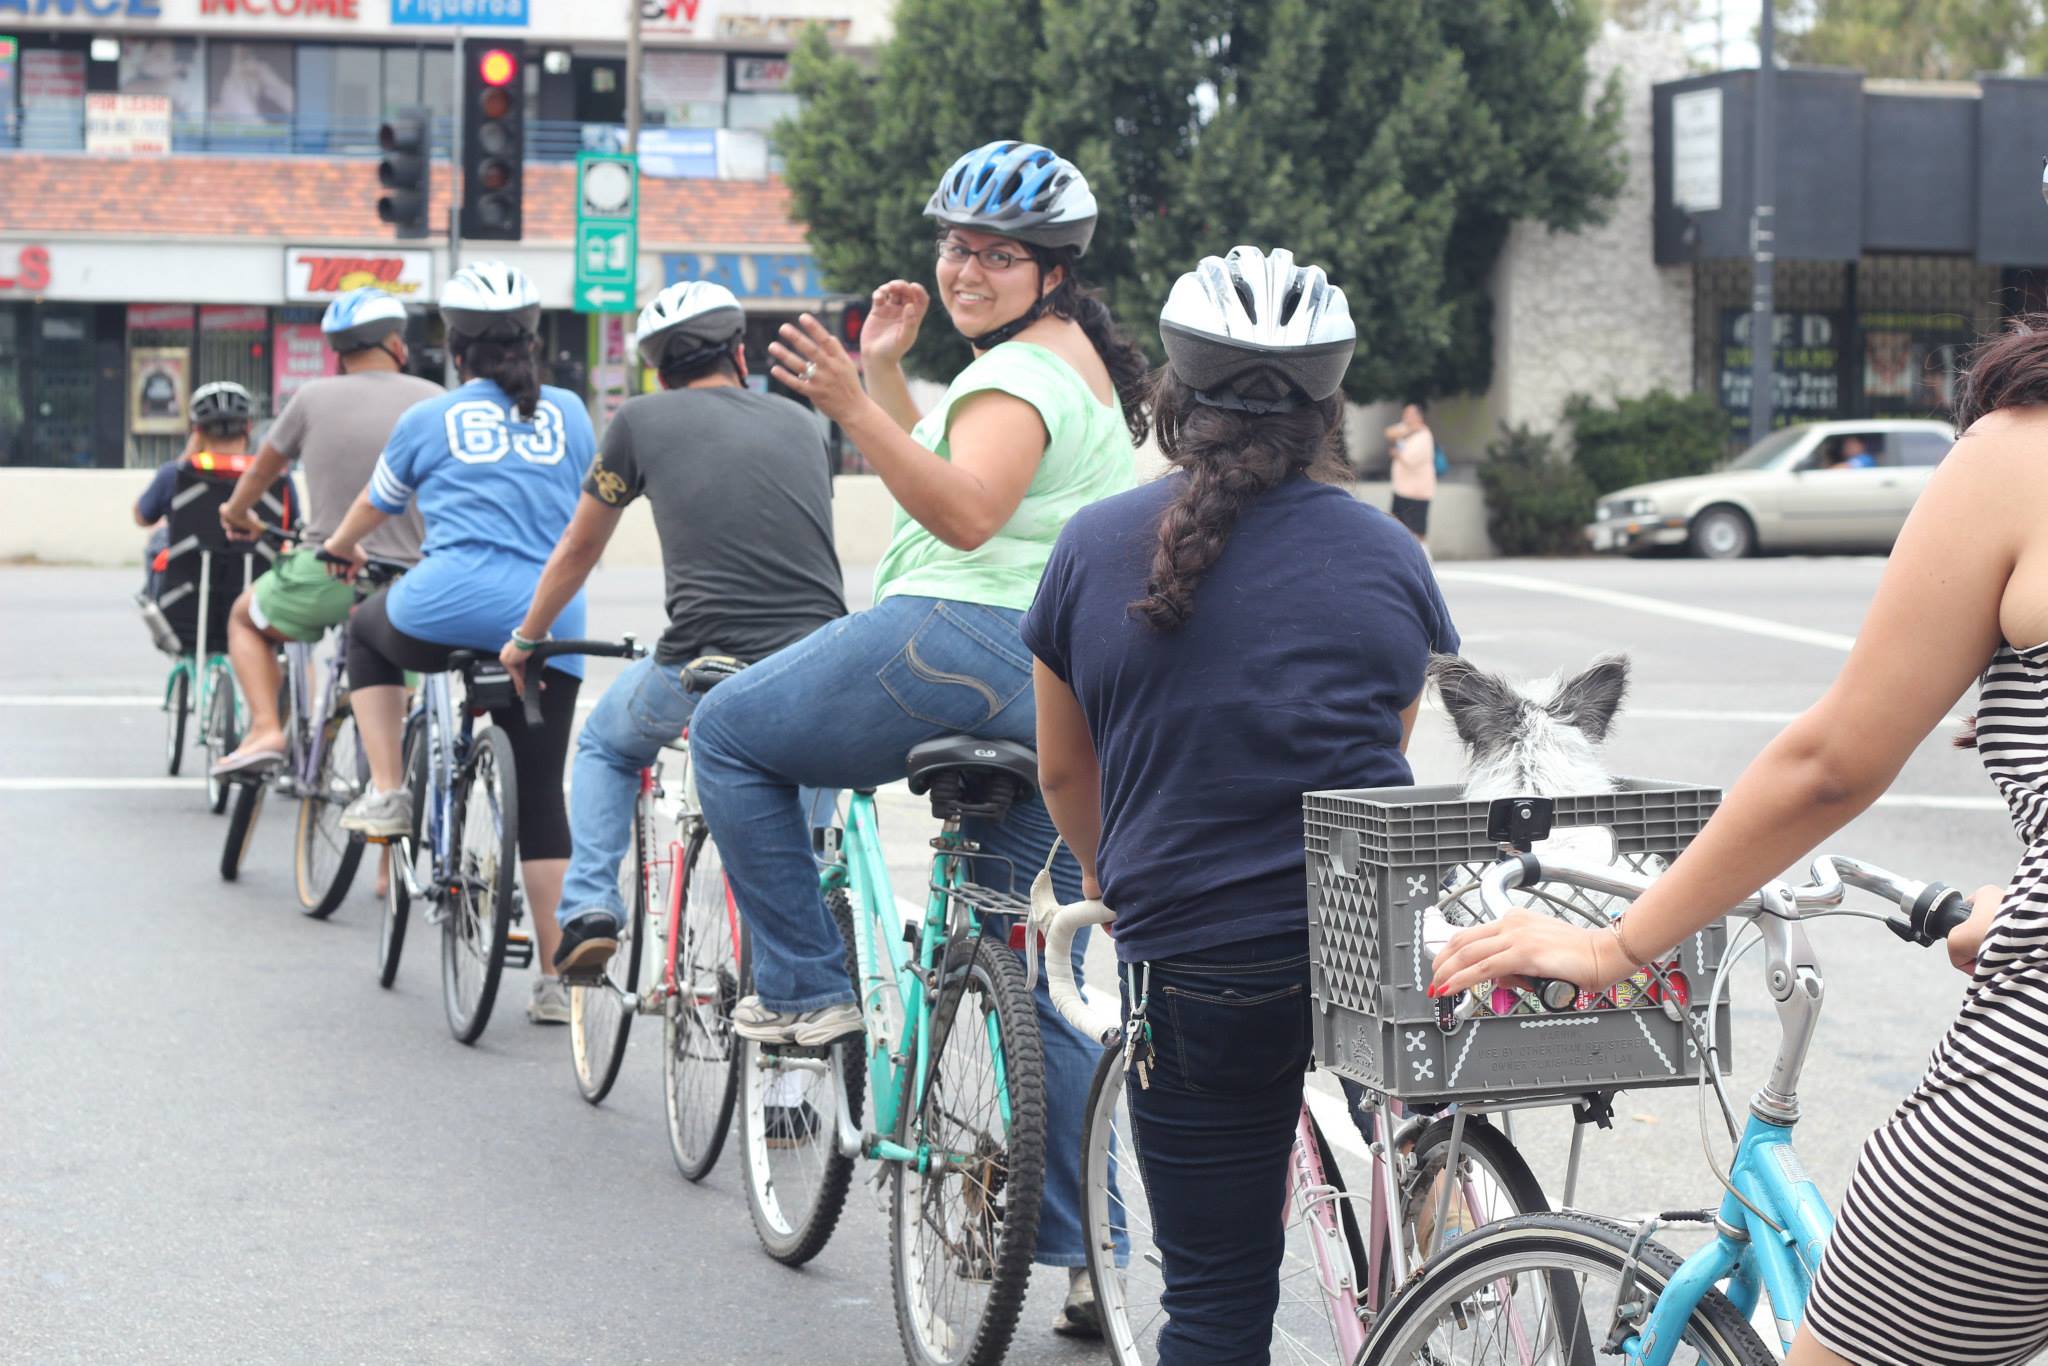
<point>992,258</point>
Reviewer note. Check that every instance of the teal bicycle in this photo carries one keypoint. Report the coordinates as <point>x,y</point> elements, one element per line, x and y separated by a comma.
<point>950,1055</point>
<point>1573,1290</point>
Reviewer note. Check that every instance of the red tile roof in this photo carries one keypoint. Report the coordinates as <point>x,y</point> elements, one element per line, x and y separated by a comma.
<point>304,197</point>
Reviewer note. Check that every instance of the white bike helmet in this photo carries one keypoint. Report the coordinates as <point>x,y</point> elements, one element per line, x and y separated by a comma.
<point>361,318</point>
<point>222,401</point>
<point>1020,190</point>
<point>491,299</point>
<point>689,322</point>
<point>1257,332</point>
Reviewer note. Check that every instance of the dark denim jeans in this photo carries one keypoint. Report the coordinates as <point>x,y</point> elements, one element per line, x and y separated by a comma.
<point>841,708</point>
<point>1230,1038</point>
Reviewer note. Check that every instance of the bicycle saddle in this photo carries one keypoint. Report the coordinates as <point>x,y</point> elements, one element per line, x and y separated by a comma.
<point>967,776</point>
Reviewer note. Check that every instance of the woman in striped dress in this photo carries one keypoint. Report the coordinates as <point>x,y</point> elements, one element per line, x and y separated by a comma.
<point>1916,1274</point>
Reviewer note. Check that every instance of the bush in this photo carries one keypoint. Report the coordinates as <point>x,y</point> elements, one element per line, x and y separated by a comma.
<point>1537,503</point>
<point>1637,440</point>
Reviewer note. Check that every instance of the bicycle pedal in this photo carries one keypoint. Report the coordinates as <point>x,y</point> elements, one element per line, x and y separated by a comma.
<point>518,950</point>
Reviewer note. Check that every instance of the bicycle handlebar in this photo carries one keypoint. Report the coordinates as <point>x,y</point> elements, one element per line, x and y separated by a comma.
<point>374,572</point>
<point>624,648</point>
<point>1059,924</point>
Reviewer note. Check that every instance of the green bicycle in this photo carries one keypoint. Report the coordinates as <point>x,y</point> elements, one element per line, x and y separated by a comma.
<point>950,1055</point>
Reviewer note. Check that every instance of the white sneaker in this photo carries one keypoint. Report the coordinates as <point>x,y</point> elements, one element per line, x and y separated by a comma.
<point>379,815</point>
<point>549,1003</point>
<point>808,1029</point>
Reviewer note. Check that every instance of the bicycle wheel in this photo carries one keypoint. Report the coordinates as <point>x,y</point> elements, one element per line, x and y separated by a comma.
<point>795,1174</point>
<point>325,856</point>
<point>961,1233</point>
<point>1542,1290</point>
<point>601,1015</point>
<point>177,708</point>
<point>222,731</point>
<point>478,915</point>
<point>699,1062</point>
<point>1493,1183</point>
<point>248,805</point>
<point>1118,1218</point>
<point>415,848</point>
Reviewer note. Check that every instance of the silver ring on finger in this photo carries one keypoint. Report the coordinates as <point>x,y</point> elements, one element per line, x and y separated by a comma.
<point>810,372</point>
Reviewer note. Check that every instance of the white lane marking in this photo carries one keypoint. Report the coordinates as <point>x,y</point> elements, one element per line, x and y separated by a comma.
<point>76,700</point>
<point>1676,611</point>
<point>1912,802</point>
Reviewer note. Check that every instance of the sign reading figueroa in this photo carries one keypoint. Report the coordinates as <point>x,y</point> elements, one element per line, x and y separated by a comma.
<point>317,273</point>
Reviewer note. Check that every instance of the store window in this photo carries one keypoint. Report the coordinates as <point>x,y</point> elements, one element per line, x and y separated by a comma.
<point>340,98</point>
<point>61,387</point>
<point>172,68</point>
<point>13,374</point>
<point>160,338</point>
<point>250,93</point>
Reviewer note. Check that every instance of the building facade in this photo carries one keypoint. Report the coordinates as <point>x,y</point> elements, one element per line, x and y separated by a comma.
<point>189,181</point>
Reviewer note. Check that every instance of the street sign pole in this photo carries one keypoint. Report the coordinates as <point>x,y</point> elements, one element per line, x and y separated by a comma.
<point>607,232</point>
<point>1763,238</point>
<point>450,378</point>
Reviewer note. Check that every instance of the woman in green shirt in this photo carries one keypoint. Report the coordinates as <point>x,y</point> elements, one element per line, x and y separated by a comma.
<point>1041,424</point>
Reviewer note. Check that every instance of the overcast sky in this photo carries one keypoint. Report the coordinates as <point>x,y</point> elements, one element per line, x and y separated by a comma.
<point>1738,29</point>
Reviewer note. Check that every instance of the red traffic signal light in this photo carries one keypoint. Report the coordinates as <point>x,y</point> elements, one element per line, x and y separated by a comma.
<point>497,67</point>
<point>852,319</point>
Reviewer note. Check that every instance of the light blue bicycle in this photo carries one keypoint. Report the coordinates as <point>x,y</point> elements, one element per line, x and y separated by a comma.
<point>1574,1290</point>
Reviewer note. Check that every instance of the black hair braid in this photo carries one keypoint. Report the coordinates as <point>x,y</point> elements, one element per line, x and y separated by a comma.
<point>1129,369</point>
<point>510,363</point>
<point>1228,458</point>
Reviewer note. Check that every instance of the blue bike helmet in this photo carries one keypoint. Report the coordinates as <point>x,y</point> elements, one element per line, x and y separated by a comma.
<point>1020,190</point>
<point>362,318</point>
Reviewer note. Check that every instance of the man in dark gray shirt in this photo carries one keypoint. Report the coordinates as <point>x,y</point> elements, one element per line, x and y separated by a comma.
<point>741,492</point>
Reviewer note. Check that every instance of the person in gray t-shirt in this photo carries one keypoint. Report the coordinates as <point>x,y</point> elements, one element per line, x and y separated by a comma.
<point>741,491</point>
<point>333,429</point>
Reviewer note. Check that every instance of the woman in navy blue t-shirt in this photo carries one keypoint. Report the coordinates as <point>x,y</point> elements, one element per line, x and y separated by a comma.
<point>1209,647</point>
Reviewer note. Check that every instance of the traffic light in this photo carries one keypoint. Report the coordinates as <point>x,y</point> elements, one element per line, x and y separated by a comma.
<point>844,319</point>
<point>494,143</point>
<point>406,172</point>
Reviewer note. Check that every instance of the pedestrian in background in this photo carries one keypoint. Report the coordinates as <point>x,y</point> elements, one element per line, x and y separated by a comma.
<point>1412,450</point>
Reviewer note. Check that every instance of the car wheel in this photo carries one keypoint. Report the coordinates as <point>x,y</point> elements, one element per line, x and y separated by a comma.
<point>1722,533</point>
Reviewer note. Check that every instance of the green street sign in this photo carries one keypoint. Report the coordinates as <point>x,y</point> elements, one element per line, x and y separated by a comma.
<point>607,233</point>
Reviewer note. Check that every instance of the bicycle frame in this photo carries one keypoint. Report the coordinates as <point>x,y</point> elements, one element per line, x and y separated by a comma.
<point>444,745</point>
<point>897,1081</point>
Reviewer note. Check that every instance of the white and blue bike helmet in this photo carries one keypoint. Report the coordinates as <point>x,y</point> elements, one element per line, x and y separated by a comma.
<point>361,319</point>
<point>1019,190</point>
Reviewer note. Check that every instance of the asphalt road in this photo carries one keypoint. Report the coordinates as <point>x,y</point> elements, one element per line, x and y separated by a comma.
<point>221,1142</point>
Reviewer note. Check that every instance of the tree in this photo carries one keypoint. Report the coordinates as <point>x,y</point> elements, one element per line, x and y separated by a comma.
<point>1914,39</point>
<point>1391,141</point>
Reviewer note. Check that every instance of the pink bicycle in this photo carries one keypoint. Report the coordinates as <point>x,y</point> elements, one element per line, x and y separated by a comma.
<point>1339,1269</point>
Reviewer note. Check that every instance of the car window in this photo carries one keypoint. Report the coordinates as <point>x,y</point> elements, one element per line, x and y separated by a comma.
<point>1922,449</point>
<point>1768,449</point>
<point>1838,450</point>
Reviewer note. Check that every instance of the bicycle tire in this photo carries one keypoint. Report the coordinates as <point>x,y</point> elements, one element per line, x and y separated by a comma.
<point>700,1059</point>
<point>601,1015</point>
<point>241,832</point>
<point>343,774</point>
<point>1001,1189</point>
<point>791,1229</point>
<point>486,873</point>
<point>411,848</point>
<point>1492,1165</point>
<point>1129,1296</point>
<point>221,733</point>
<point>1490,1269</point>
<point>177,710</point>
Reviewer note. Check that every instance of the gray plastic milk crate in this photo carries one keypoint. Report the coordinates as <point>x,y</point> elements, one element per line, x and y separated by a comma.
<point>1377,857</point>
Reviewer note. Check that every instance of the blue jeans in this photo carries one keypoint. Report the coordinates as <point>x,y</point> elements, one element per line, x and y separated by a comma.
<point>842,708</point>
<point>1230,1039</point>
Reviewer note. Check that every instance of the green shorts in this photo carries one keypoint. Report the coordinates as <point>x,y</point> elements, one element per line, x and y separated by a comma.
<point>299,600</point>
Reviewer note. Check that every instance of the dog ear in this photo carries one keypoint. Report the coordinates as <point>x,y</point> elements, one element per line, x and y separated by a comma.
<point>1481,705</point>
<point>1589,701</point>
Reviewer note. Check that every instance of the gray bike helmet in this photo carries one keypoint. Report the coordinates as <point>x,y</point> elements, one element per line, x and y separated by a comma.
<point>222,401</point>
<point>1256,332</point>
<point>689,322</point>
<point>1020,190</point>
<point>491,299</point>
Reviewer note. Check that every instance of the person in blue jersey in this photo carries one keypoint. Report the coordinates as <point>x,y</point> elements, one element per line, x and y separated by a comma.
<point>495,468</point>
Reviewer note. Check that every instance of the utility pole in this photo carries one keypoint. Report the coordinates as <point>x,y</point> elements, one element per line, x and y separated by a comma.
<point>1763,237</point>
<point>455,70</point>
<point>632,77</point>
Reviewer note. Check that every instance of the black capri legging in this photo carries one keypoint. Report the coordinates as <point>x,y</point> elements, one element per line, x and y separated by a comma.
<point>379,655</point>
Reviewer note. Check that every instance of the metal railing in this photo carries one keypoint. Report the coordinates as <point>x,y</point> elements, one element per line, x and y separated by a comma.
<point>62,129</point>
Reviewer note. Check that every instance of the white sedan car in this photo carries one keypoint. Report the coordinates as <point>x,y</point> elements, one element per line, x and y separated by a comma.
<point>1816,486</point>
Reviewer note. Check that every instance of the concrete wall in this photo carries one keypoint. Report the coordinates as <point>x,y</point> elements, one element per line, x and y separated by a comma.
<point>85,517</point>
<point>1588,312</point>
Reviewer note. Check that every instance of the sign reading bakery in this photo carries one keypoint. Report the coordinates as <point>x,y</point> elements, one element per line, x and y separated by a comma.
<point>320,273</point>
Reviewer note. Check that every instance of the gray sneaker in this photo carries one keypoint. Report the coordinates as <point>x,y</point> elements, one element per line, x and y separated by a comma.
<point>379,815</point>
<point>160,632</point>
<point>549,1003</point>
<point>809,1029</point>
<point>1080,1316</point>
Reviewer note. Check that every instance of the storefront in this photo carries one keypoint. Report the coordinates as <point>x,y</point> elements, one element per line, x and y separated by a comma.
<point>1909,225</point>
